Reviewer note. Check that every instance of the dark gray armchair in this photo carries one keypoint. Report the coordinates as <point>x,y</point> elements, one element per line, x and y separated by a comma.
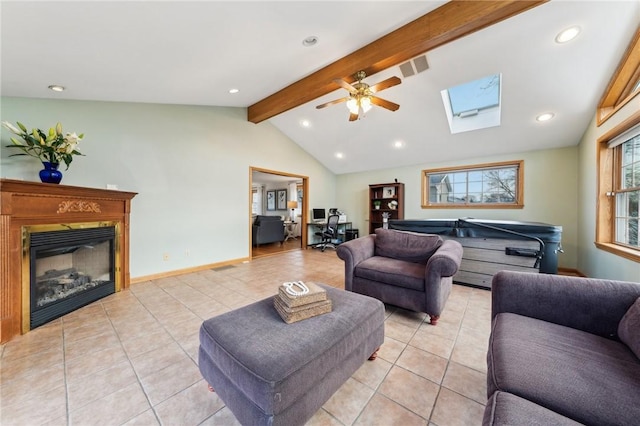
<point>406,269</point>
<point>267,229</point>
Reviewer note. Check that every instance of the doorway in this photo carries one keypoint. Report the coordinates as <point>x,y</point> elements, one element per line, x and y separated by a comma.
<point>266,191</point>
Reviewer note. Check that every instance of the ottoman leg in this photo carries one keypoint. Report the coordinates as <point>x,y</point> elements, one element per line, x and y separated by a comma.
<point>434,319</point>
<point>374,355</point>
<point>210,388</point>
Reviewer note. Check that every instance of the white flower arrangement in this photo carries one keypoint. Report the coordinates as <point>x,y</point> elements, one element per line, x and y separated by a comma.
<point>54,147</point>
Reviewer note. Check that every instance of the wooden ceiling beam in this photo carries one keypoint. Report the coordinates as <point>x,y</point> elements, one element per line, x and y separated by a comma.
<point>447,23</point>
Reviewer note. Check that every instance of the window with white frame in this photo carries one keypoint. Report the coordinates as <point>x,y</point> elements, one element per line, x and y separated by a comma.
<point>626,189</point>
<point>256,200</point>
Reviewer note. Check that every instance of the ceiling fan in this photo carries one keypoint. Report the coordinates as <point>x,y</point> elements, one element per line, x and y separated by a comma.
<point>361,95</point>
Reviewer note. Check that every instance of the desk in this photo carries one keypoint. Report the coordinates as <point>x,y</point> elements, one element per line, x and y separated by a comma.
<point>291,228</point>
<point>313,227</point>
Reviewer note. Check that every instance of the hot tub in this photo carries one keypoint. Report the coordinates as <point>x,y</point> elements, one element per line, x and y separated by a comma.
<point>494,245</point>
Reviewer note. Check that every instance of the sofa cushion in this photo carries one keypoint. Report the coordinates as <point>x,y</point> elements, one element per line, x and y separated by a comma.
<point>407,246</point>
<point>588,378</point>
<point>629,328</point>
<point>392,271</point>
<point>261,218</point>
<point>508,409</point>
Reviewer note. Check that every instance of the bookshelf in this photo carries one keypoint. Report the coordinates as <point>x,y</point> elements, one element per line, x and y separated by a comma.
<point>385,198</point>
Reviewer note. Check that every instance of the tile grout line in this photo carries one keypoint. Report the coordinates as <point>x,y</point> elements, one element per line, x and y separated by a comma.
<point>153,407</point>
<point>453,346</point>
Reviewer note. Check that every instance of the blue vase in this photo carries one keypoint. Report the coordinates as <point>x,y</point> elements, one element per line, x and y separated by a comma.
<point>50,173</point>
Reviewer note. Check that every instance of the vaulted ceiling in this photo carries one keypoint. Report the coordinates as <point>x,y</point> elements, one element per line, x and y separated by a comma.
<point>195,52</point>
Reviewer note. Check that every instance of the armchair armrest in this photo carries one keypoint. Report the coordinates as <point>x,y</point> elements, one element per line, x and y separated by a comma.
<point>588,304</point>
<point>353,252</point>
<point>445,261</point>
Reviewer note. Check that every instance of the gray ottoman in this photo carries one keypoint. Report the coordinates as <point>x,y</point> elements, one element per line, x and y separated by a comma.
<point>269,372</point>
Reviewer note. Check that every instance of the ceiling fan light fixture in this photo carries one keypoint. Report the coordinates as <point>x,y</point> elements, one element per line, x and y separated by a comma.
<point>365,103</point>
<point>355,103</point>
<point>352,105</point>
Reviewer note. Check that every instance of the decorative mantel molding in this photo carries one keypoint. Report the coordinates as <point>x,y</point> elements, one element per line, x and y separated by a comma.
<point>32,203</point>
<point>74,206</point>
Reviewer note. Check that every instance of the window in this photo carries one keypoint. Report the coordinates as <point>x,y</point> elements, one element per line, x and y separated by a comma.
<point>473,105</point>
<point>628,192</point>
<point>256,200</point>
<point>619,190</point>
<point>495,185</point>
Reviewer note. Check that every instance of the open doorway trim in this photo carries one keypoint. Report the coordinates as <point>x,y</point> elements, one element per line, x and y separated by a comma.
<point>304,208</point>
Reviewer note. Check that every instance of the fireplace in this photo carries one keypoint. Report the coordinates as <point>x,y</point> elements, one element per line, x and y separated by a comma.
<point>70,266</point>
<point>80,250</point>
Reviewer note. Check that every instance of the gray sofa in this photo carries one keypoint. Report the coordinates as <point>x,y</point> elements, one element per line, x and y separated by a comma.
<point>267,229</point>
<point>406,269</point>
<point>563,350</point>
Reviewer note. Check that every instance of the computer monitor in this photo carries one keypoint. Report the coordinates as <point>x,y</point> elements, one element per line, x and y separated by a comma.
<point>318,215</point>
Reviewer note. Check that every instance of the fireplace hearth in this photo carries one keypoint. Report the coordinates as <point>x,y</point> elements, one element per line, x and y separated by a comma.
<point>69,269</point>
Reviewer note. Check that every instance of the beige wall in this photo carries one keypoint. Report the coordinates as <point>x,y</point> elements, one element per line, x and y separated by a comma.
<point>189,164</point>
<point>593,261</point>
<point>550,194</point>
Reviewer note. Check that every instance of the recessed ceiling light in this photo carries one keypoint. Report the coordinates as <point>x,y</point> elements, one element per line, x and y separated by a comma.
<point>545,117</point>
<point>339,155</point>
<point>56,88</point>
<point>233,91</point>
<point>305,123</point>
<point>398,144</point>
<point>310,41</point>
<point>568,34</point>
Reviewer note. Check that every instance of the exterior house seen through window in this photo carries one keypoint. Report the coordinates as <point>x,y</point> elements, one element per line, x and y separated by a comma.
<point>495,185</point>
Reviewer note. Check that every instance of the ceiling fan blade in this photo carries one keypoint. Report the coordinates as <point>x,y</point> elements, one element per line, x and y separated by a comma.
<point>353,117</point>
<point>337,101</point>
<point>345,85</point>
<point>384,103</point>
<point>385,84</point>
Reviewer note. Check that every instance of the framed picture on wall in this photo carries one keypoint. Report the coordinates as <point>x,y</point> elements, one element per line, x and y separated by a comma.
<point>271,200</point>
<point>388,192</point>
<point>282,199</point>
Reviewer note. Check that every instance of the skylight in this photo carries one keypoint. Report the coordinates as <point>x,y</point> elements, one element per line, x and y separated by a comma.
<point>473,105</point>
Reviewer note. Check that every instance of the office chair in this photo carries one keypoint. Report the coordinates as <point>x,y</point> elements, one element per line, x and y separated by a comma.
<point>329,233</point>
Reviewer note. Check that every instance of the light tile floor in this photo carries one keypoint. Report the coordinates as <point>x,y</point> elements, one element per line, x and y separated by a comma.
<point>131,358</point>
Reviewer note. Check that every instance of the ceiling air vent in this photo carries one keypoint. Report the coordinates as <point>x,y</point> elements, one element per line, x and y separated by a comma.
<point>414,66</point>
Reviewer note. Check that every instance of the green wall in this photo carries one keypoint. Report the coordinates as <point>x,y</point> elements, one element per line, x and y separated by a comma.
<point>595,262</point>
<point>550,191</point>
<point>188,164</point>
